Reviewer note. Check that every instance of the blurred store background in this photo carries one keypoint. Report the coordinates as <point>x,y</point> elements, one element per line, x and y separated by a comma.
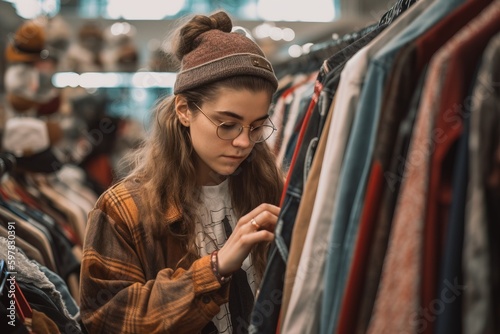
<point>109,60</point>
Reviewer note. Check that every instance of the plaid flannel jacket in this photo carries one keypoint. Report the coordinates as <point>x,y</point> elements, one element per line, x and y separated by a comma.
<point>130,282</point>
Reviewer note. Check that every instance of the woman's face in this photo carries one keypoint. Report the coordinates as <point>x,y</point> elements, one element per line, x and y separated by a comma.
<point>216,157</point>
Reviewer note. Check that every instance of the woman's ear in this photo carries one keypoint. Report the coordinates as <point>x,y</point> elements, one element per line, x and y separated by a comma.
<point>182,110</point>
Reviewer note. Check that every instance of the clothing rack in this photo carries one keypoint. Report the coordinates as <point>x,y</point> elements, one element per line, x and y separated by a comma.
<point>321,51</point>
<point>46,214</point>
<point>366,253</point>
<point>312,60</point>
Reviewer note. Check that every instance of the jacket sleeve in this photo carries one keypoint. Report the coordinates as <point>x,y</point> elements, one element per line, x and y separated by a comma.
<point>117,298</point>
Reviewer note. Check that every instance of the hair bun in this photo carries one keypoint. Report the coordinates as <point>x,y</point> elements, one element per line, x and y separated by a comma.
<point>199,24</point>
<point>221,21</point>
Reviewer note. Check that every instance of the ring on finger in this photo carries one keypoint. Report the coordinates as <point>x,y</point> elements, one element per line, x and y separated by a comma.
<point>255,224</point>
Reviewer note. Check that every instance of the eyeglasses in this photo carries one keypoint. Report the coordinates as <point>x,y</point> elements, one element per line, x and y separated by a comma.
<point>231,130</point>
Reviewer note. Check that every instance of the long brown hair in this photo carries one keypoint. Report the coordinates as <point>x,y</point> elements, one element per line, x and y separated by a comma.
<point>165,166</point>
<point>165,162</point>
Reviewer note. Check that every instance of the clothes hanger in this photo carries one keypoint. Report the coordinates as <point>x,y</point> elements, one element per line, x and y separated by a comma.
<point>7,163</point>
<point>399,7</point>
<point>319,52</point>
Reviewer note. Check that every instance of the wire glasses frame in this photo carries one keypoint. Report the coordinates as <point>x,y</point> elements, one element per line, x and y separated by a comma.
<point>231,130</point>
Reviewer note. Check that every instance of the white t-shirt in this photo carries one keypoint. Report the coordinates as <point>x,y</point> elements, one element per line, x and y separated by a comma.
<point>210,235</point>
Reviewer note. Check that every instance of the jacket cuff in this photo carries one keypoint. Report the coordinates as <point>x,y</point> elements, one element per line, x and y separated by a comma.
<point>204,279</point>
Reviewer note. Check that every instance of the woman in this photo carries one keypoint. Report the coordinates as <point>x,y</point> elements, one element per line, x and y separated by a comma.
<point>166,248</point>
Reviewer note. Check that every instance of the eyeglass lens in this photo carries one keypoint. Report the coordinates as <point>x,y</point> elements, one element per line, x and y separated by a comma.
<point>257,134</point>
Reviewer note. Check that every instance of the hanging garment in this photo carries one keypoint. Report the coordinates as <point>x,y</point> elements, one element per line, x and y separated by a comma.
<point>29,273</point>
<point>358,157</point>
<point>337,63</point>
<point>311,127</point>
<point>478,260</point>
<point>460,74</point>
<point>26,247</point>
<point>300,227</point>
<point>404,251</point>
<point>306,294</point>
<point>383,181</point>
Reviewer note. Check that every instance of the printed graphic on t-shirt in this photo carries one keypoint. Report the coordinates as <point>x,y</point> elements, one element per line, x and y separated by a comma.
<point>211,235</point>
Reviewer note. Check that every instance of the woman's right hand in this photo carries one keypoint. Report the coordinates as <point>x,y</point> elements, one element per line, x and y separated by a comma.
<point>255,227</point>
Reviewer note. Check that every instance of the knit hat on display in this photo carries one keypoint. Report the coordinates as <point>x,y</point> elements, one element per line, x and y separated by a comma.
<point>30,140</point>
<point>214,52</point>
<point>28,43</point>
<point>24,136</point>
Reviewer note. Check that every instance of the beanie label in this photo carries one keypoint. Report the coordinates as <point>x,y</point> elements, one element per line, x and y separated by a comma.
<point>261,62</point>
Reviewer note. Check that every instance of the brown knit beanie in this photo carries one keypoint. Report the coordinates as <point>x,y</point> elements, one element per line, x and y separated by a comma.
<point>209,52</point>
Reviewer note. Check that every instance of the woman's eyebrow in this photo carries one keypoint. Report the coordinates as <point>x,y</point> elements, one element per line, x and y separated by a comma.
<point>234,115</point>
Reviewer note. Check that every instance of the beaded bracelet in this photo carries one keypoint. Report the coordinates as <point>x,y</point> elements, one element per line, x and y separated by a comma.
<point>214,260</point>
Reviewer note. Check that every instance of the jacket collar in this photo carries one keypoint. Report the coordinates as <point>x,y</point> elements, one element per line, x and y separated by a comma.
<point>173,214</point>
